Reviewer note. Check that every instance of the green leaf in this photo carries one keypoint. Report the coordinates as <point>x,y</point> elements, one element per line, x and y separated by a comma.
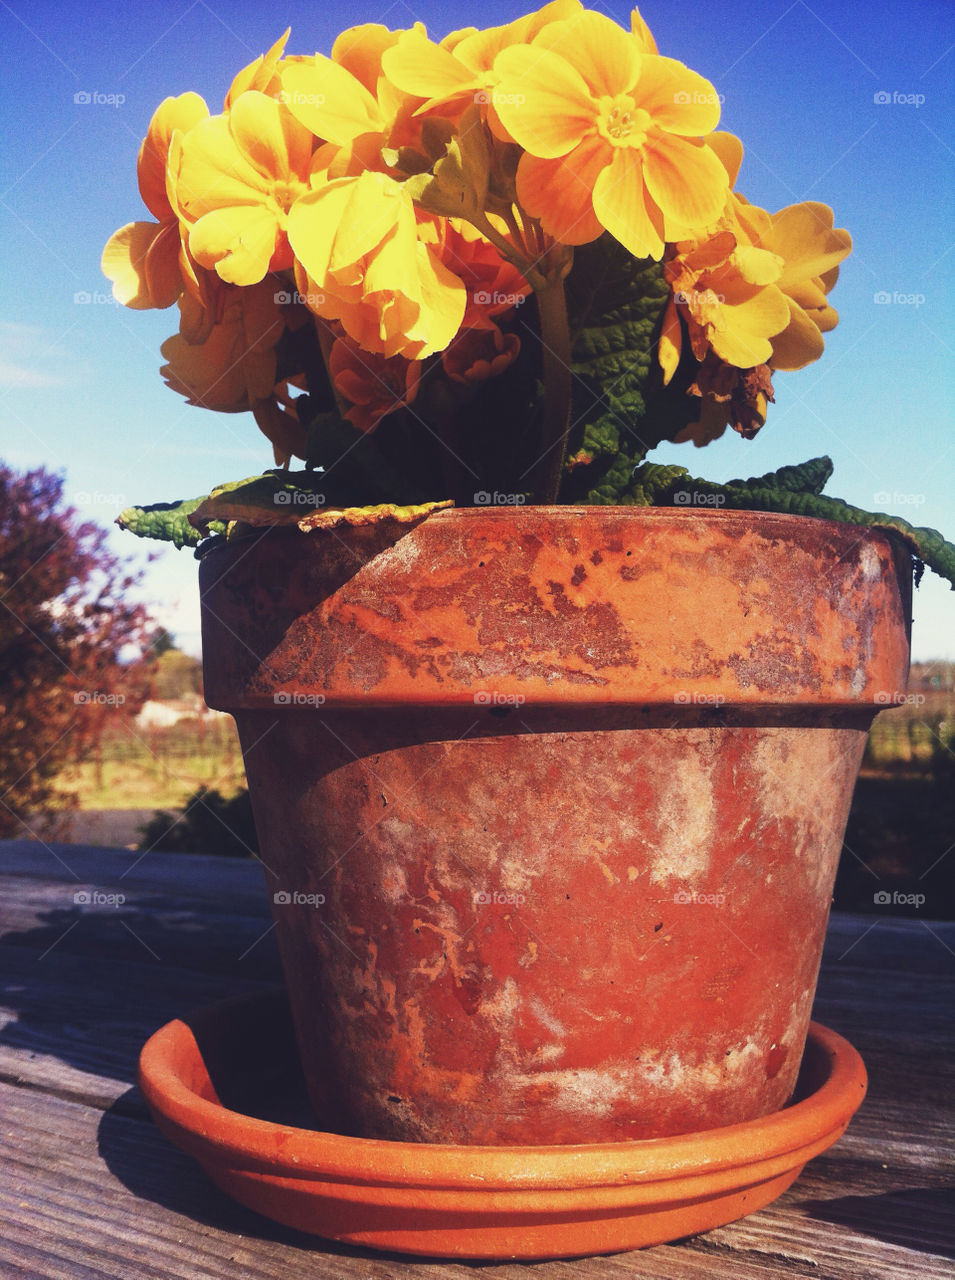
<point>166,522</point>
<point>620,408</point>
<point>796,491</point>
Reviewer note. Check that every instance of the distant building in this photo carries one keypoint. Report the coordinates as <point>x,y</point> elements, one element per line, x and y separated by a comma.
<point>163,715</point>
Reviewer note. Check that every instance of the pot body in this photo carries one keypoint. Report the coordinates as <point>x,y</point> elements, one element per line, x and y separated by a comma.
<point>550,803</point>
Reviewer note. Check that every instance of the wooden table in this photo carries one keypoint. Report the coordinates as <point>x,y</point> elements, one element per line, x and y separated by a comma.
<point>89,1188</point>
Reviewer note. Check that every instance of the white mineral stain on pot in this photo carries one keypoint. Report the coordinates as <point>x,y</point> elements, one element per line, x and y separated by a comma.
<point>870,563</point>
<point>685,817</point>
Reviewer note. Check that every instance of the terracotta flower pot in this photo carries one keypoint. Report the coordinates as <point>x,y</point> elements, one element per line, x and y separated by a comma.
<point>551,802</point>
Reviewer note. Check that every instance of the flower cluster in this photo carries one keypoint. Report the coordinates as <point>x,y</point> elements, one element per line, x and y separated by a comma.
<point>366,227</point>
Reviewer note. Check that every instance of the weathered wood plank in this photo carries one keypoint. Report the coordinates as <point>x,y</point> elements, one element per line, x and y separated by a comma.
<point>107,1196</point>
<point>92,1190</point>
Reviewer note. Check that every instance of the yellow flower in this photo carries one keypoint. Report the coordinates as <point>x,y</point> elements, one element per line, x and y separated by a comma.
<point>611,135</point>
<point>143,259</point>
<point>811,248</point>
<point>237,176</point>
<point>263,74</point>
<point>460,70</point>
<point>754,289</point>
<point>359,260</point>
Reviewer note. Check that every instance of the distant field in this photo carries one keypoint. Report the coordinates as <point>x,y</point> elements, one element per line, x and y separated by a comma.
<point>158,768</point>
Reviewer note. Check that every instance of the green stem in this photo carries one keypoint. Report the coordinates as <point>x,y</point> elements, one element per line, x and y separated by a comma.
<point>556,355</point>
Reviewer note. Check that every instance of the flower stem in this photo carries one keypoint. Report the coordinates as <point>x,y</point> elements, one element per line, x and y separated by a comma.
<point>556,355</point>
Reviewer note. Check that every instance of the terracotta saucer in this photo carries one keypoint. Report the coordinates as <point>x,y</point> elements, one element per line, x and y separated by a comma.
<point>467,1202</point>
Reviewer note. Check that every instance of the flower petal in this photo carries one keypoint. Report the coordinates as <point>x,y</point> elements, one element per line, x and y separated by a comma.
<point>270,137</point>
<point>328,100</point>
<point>238,242</point>
<point>542,101</point>
<point>685,178</point>
<point>559,192</point>
<point>259,74</point>
<point>171,115</point>
<point>799,343</point>
<point>622,204</point>
<point>608,58</point>
<point>679,100</point>
<point>360,49</point>
<point>803,234</point>
<point>742,331</point>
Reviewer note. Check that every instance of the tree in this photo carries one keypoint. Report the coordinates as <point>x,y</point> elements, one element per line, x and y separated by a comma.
<point>70,641</point>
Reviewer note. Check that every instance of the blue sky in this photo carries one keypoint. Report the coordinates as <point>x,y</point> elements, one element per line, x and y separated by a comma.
<point>848,102</point>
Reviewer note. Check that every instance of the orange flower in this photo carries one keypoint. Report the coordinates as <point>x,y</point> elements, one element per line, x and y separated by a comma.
<point>144,259</point>
<point>374,385</point>
<point>611,135</point>
<point>478,354</point>
<point>235,368</point>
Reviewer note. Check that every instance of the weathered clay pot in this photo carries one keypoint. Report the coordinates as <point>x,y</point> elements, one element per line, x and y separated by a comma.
<point>550,803</point>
